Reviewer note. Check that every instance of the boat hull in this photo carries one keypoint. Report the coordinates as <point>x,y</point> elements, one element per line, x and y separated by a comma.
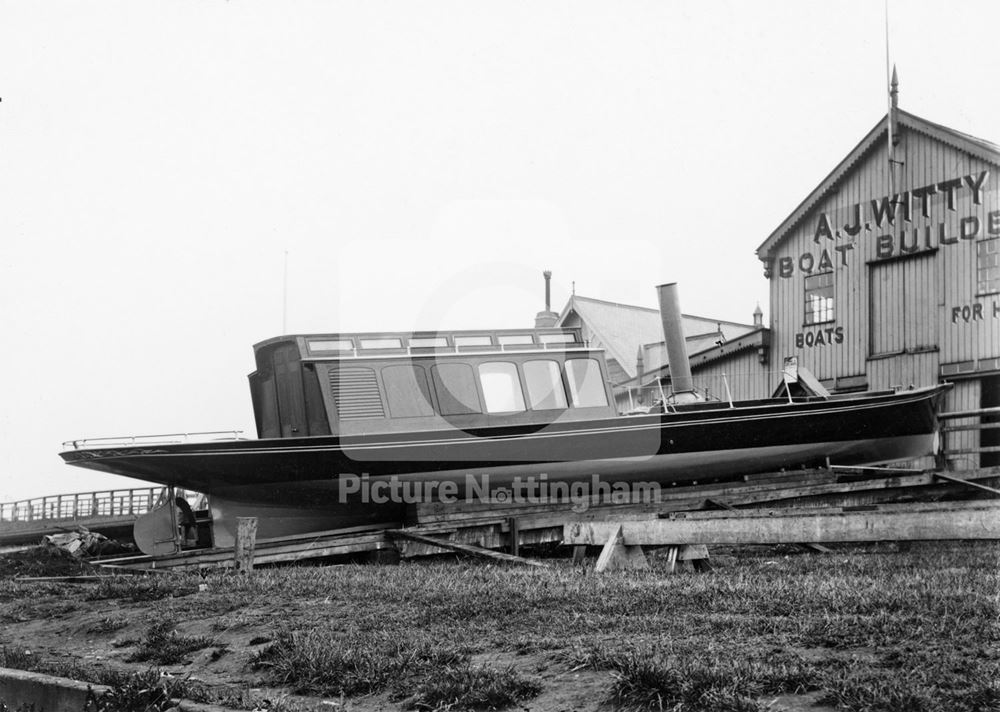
<point>297,485</point>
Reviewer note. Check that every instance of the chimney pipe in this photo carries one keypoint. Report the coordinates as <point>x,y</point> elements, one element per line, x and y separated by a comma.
<point>673,334</point>
<point>548,318</point>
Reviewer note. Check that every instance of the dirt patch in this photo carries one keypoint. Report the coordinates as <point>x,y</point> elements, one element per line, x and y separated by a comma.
<point>42,561</point>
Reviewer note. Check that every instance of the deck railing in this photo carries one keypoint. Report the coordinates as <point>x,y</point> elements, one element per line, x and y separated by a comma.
<point>108,504</point>
<point>164,439</point>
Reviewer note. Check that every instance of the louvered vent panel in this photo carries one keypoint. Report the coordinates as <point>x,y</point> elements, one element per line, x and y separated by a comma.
<point>355,393</point>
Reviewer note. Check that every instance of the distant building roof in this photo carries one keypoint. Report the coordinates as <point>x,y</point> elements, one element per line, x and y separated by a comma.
<point>623,329</point>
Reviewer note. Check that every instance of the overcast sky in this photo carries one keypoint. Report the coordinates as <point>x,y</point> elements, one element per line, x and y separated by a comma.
<point>421,164</point>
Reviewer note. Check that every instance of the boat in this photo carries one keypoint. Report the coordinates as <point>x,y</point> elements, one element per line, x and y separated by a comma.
<point>354,427</point>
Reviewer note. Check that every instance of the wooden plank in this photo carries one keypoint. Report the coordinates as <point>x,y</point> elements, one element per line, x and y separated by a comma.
<point>613,542</point>
<point>815,547</point>
<point>679,498</point>
<point>979,520</point>
<point>615,555</point>
<point>960,481</point>
<point>430,512</point>
<point>820,509</point>
<point>683,495</point>
<point>466,548</point>
<point>288,551</point>
<point>246,542</point>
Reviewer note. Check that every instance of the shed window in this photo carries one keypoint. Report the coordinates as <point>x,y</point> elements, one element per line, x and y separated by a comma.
<point>988,266</point>
<point>501,387</point>
<point>586,386</point>
<point>455,386</point>
<point>406,391</point>
<point>819,298</point>
<point>545,387</point>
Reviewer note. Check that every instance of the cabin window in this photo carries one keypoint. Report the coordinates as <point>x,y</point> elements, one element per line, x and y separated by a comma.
<point>455,386</point>
<point>819,298</point>
<point>423,342</point>
<point>387,343</point>
<point>562,338</point>
<point>544,383</point>
<point>515,339</point>
<point>407,391</point>
<point>988,266</point>
<point>473,341</point>
<point>320,345</point>
<point>501,387</point>
<point>586,385</point>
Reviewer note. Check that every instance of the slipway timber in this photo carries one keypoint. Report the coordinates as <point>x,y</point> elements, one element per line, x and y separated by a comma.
<point>802,507</point>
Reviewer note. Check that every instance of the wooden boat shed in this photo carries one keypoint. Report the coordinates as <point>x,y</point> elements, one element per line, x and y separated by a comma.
<point>887,274</point>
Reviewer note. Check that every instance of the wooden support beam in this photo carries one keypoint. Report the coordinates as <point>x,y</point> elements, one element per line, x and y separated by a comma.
<point>615,555</point>
<point>960,481</point>
<point>685,498</point>
<point>466,548</point>
<point>819,548</point>
<point>972,520</point>
<point>246,542</point>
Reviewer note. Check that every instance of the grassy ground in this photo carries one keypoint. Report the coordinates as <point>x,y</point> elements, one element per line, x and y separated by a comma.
<point>875,628</point>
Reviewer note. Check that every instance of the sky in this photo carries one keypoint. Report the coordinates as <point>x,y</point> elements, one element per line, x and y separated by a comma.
<point>180,180</point>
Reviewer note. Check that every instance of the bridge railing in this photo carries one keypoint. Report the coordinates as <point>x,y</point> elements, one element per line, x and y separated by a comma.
<point>86,505</point>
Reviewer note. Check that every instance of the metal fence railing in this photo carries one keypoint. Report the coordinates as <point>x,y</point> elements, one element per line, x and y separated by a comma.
<point>86,505</point>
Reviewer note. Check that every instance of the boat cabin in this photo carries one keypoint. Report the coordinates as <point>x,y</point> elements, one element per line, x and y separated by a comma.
<point>363,384</point>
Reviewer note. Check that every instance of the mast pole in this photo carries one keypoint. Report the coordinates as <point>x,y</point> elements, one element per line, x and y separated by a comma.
<point>284,296</point>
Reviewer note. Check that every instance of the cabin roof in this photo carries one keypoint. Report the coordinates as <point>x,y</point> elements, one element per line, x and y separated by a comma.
<point>400,343</point>
<point>977,147</point>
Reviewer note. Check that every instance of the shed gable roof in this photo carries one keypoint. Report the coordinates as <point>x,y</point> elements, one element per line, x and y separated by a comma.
<point>977,147</point>
<point>624,328</point>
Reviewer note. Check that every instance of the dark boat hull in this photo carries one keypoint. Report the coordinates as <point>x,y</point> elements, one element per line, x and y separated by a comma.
<point>297,485</point>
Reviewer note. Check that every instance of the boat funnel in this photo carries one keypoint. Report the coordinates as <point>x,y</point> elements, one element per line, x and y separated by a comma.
<point>673,334</point>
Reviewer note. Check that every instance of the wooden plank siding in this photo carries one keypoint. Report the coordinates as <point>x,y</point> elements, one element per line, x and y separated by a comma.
<point>747,378</point>
<point>906,296</point>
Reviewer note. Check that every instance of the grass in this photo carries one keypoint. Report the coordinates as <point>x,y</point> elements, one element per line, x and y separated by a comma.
<point>145,692</point>
<point>867,628</point>
<point>473,688</point>
<point>163,646</point>
<point>360,662</point>
<point>140,589</point>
